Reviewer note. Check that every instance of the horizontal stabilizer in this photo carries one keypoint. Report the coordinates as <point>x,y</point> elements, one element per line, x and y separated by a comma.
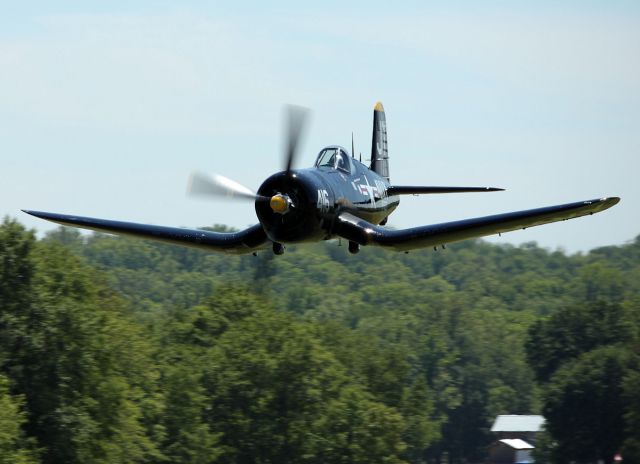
<point>417,190</point>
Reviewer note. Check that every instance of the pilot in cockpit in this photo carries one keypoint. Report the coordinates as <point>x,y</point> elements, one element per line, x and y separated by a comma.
<point>327,158</point>
<point>343,163</point>
<point>334,158</point>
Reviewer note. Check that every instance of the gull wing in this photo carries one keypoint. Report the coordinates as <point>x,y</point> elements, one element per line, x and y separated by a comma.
<point>355,229</point>
<point>244,241</point>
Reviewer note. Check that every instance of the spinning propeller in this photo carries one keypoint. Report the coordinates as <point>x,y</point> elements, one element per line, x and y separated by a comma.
<point>220,186</point>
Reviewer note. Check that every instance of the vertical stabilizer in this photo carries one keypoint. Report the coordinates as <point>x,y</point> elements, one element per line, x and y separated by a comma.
<point>379,151</point>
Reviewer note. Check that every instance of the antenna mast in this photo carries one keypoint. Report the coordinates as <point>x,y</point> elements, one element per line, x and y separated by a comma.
<point>353,152</point>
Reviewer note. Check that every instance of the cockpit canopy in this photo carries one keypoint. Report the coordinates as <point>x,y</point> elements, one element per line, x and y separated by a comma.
<point>334,158</point>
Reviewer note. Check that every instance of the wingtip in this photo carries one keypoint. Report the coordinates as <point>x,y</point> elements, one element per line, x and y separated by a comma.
<point>603,203</point>
<point>41,214</point>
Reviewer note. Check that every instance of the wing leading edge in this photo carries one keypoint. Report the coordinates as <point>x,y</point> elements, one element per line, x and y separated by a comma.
<point>365,233</point>
<point>244,241</point>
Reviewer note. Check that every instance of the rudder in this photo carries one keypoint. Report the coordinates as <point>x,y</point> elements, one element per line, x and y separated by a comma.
<point>379,150</point>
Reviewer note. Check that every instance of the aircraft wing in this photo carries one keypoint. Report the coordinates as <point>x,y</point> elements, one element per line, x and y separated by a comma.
<point>355,229</point>
<point>244,241</point>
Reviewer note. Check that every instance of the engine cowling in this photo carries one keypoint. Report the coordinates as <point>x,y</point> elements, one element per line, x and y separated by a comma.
<point>307,214</point>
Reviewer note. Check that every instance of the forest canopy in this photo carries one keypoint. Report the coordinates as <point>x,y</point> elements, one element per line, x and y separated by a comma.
<point>115,350</point>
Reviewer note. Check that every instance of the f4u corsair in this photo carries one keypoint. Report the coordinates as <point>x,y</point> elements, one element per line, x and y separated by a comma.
<point>338,197</point>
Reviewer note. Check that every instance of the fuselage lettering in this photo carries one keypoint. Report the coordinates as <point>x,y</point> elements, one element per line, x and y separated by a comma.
<point>323,201</point>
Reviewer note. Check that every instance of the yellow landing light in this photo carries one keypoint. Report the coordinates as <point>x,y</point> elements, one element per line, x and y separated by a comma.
<point>279,204</point>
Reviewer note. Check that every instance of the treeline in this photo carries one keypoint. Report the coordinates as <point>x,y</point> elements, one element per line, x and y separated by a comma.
<point>117,350</point>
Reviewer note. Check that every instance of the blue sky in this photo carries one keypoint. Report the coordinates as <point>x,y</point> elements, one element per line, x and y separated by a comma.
<point>105,108</point>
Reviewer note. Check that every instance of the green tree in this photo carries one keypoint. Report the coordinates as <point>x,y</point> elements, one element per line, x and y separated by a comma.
<point>187,438</point>
<point>581,356</point>
<point>278,396</point>
<point>14,447</point>
<point>584,406</point>
<point>16,273</point>
<point>74,355</point>
<point>631,446</point>
<point>572,331</point>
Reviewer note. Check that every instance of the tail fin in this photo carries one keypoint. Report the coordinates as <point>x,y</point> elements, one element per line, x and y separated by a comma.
<point>379,151</point>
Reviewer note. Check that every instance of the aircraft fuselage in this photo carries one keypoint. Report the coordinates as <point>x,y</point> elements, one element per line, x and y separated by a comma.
<point>319,194</point>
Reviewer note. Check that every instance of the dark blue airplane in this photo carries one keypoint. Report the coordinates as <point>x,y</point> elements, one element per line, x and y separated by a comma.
<point>339,197</point>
